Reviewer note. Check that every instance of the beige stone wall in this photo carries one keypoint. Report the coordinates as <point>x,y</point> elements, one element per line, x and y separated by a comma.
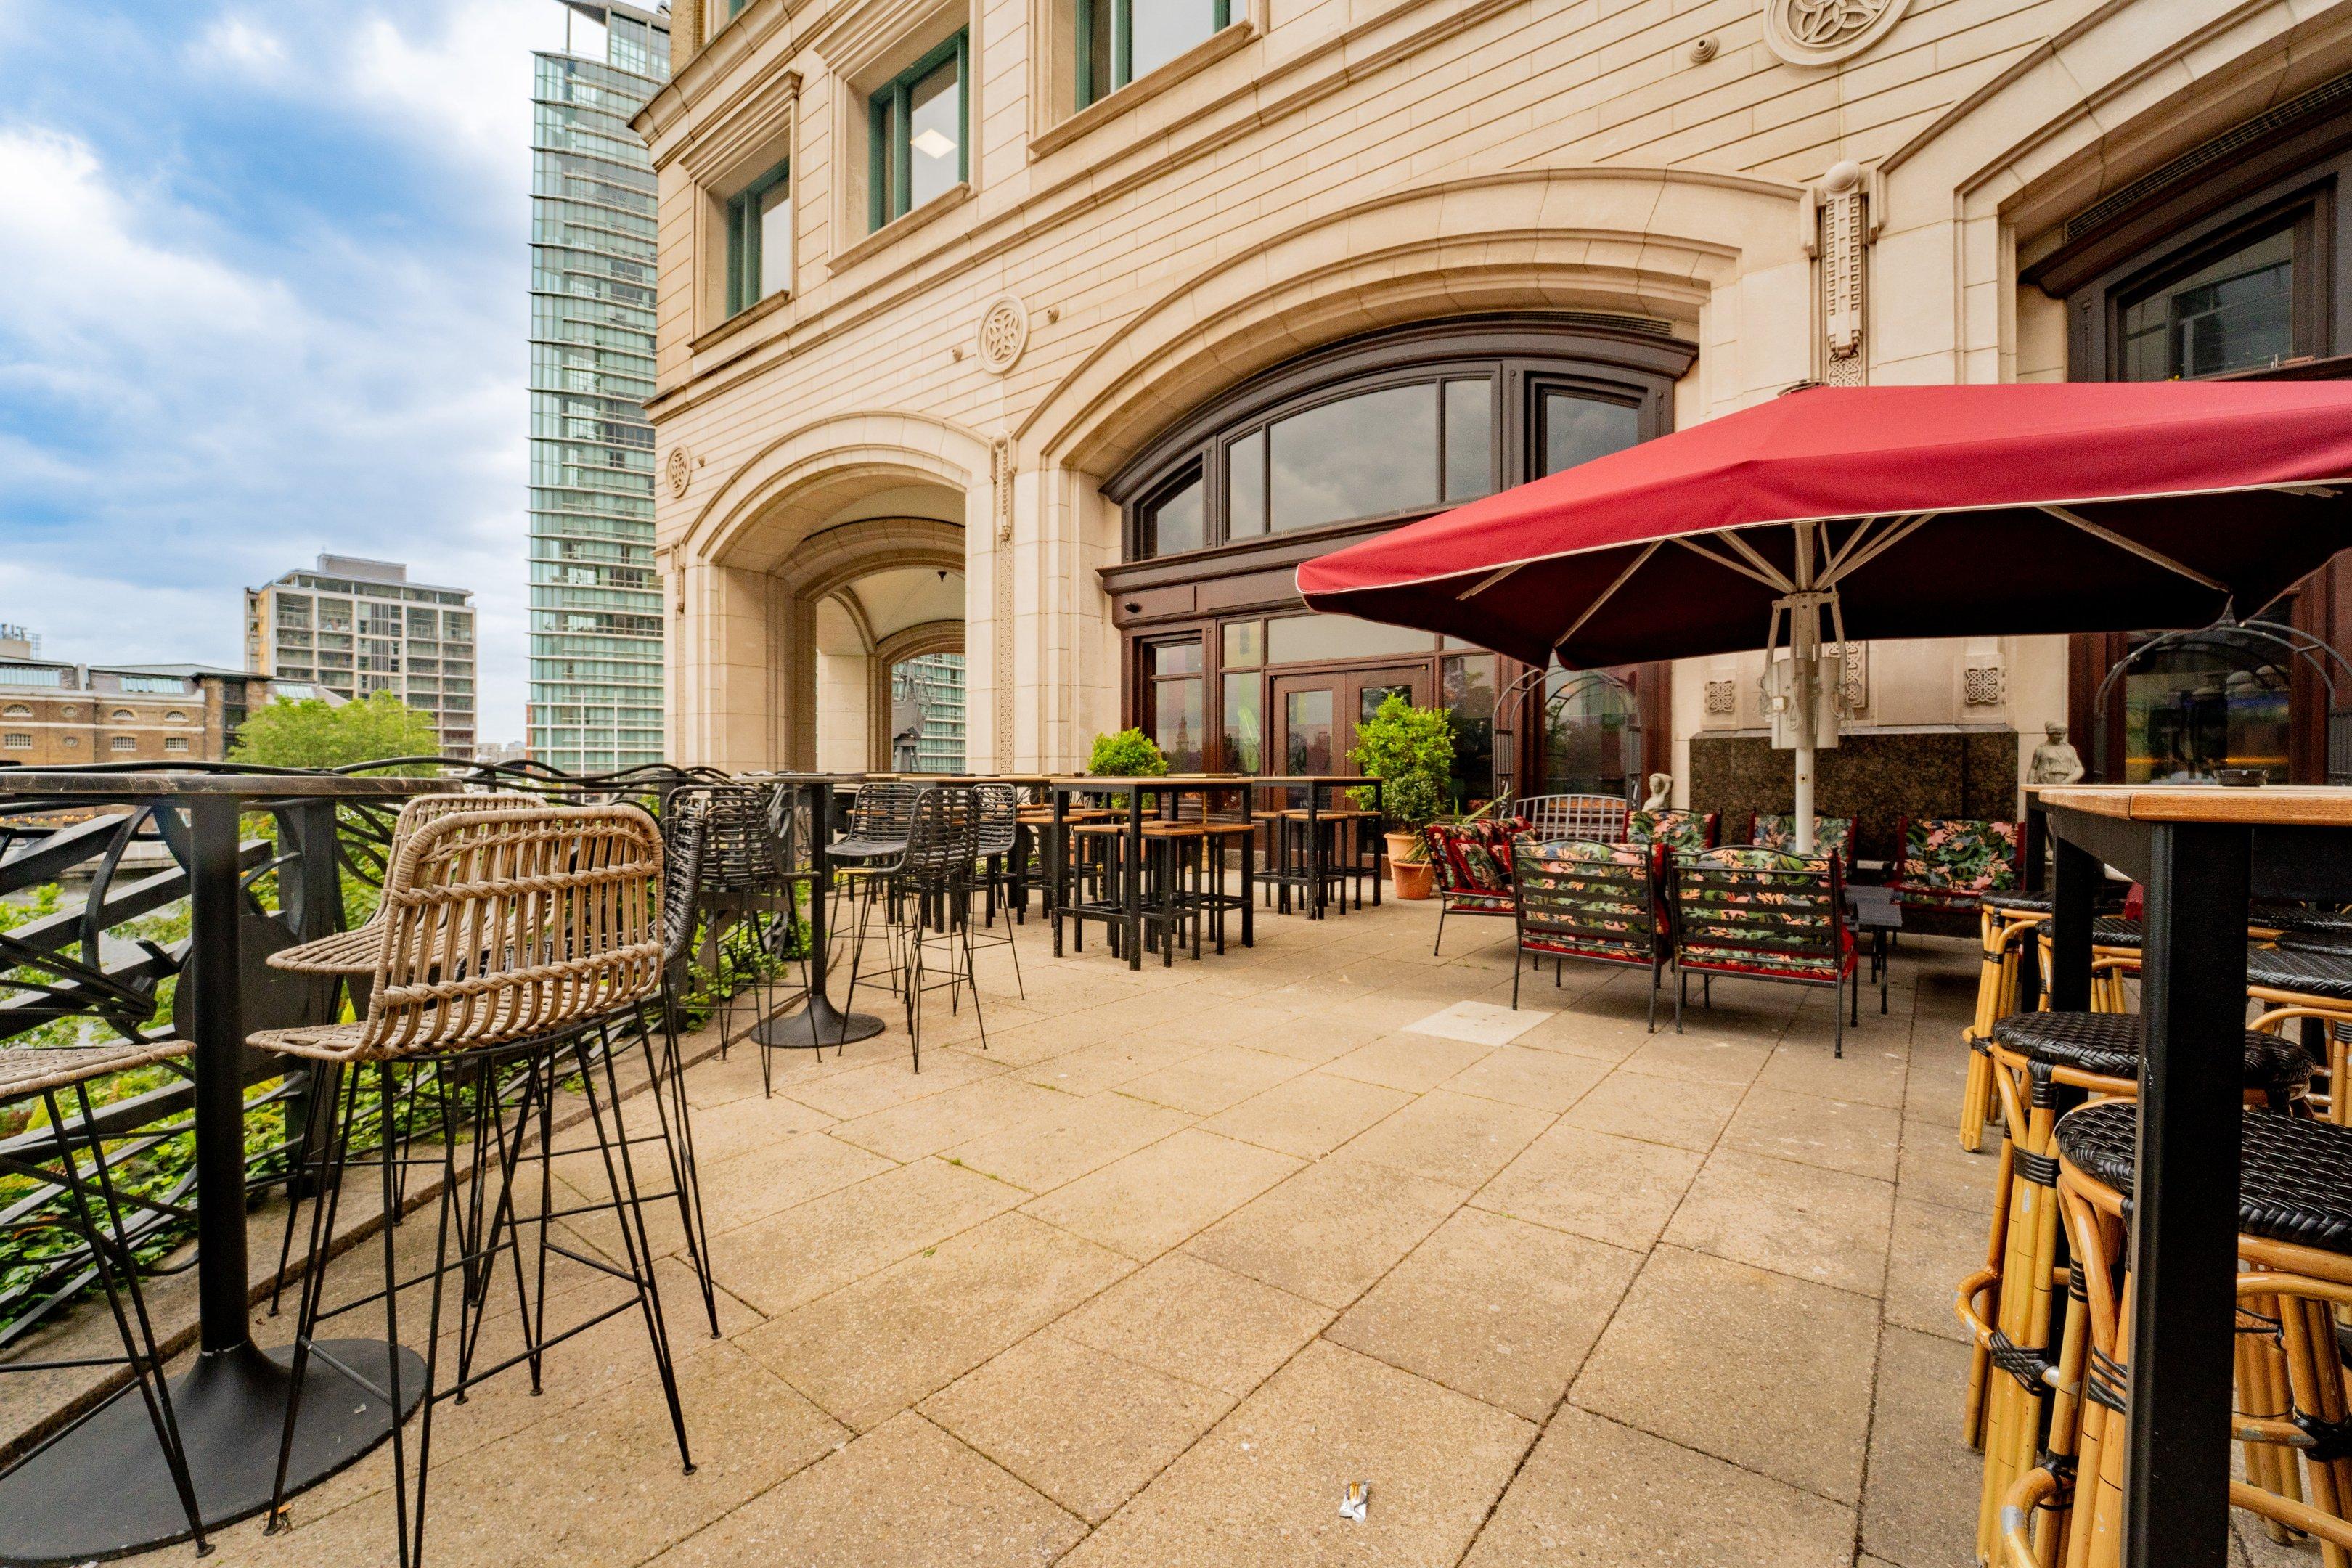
<point>1332,166</point>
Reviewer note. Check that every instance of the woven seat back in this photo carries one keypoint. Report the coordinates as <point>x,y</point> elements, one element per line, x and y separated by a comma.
<point>684,837</point>
<point>884,810</point>
<point>1000,806</point>
<point>943,836</point>
<point>741,850</point>
<point>1765,907</point>
<point>1584,896</point>
<point>507,925</point>
<point>1556,817</point>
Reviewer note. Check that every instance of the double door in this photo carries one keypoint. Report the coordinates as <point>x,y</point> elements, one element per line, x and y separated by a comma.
<point>1316,716</point>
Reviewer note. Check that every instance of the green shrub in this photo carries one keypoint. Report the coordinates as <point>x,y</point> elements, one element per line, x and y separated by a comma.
<point>1411,751</point>
<point>1130,754</point>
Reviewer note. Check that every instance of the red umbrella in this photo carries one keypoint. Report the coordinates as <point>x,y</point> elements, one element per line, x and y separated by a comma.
<point>1896,511</point>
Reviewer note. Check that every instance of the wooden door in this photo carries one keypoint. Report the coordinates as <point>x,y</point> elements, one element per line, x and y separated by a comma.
<point>1315,716</point>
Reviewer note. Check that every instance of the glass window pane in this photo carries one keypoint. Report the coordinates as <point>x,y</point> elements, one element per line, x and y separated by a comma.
<point>1467,684</point>
<point>1245,487</point>
<point>1369,700</point>
<point>1469,440</point>
<point>775,239</point>
<point>1174,521</point>
<point>2189,711</point>
<point>1307,732</point>
<point>1244,723</point>
<point>1578,429</point>
<point>2233,313</point>
<point>1360,456</point>
<point>1316,639</point>
<point>1245,644</point>
<point>1176,658</point>
<point>935,133</point>
<point>1176,722</point>
<point>1098,63</point>
<point>1166,29</point>
<point>886,159</point>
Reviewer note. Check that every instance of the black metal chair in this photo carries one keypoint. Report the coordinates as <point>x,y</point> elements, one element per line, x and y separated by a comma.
<point>747,891</point>
<point>992,870</point>
<point>1592,901</point>
<point>934,877</point>
<point>74,1164</point>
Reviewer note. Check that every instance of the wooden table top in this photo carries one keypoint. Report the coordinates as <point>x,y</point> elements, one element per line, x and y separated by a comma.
<point>2299,805</point>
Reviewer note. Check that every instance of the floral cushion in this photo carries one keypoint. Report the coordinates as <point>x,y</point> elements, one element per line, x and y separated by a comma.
<point>1585,899</point>
<point>1775,831</point>
<point>1473,861</point>
<point>1675,829</point>
<point>1752,858</point>
<point>1780,965</point>
<point>1585,947</point>
<point>1587,851</point>
<point>1954,861</point>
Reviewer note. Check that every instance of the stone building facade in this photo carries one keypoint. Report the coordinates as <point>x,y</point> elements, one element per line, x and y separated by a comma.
<point>1075,324</point>
<point>68,715</point>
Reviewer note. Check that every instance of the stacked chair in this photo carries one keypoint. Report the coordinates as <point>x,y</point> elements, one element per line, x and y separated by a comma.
<point>515,946</point>
<point>75,1163</point>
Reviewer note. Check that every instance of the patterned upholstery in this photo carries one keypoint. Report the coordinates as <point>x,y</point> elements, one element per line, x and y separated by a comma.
<point>1773,830</point>
<point>1950,863</point>
<point>1752,911</point>
<point>1582,898</point>
<point>1472,861</point>
<point>1677,830</point>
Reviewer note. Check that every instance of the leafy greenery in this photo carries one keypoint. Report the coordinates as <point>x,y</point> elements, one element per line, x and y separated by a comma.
<point>316,734</point>
<point>1411,751</point>
<point>1130,755</point>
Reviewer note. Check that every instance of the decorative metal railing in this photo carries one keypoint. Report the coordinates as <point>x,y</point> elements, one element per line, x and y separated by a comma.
<point>93,939</point>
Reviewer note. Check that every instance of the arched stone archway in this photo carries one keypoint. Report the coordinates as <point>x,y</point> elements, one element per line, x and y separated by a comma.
<point>799,523</point>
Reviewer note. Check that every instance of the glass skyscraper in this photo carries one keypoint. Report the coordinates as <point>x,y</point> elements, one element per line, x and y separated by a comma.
<point>595,604</point>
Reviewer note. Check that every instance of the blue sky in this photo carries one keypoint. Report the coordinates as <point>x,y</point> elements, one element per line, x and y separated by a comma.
<point>264,273</point>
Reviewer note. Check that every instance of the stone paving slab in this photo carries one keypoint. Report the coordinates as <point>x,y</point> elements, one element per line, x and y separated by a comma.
<point>1151,1279</point>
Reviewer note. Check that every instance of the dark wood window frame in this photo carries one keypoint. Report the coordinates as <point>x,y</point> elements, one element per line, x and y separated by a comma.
<point>1195,592</point>
<point>2301,176</point>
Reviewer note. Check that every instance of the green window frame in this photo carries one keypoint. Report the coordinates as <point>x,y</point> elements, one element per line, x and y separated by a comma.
<point>1119,16</point>
<point>743,259</point>
<point>891,177</point>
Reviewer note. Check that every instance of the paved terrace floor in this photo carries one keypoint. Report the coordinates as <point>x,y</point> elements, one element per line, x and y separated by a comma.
<point>1185,1251</point>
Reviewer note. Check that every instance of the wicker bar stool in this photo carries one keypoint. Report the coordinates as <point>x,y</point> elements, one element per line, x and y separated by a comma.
<point>2044,1064</point>
<point>514,944</point>
<point>2297,981</point>
<point>352,953</point>
<point>94,1214</point>
<point>2007,921</point>
<point>2116,944</point>
<point>2294,1253</point>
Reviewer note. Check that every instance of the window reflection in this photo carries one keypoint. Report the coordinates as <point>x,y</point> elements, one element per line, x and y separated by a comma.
<point>1469,440</point>
<point>1578,429</point>
<point>1307,731</point>
<point>1244,722</point>
<point>1174,522</point>
<point>1356,456</point>
<point>1162,30</point>
<point>2190,710</point>
<point>934,138</point>
<point>1467,687</point>
<point>2234,312</point>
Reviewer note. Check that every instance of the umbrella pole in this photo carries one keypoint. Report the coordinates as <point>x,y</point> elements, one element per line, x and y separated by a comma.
<point>1804,658</point>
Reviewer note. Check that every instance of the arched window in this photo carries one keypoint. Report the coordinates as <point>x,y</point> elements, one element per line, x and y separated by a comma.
<point>175,716</point>
<point>18,711</point>
<point>1224,669</point>
<point>123,715</point>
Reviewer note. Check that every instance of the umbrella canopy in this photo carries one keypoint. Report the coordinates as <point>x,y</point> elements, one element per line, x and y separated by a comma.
<point>1913,510</point>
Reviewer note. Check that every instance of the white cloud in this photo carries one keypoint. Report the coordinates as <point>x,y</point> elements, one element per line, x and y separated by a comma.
<point>237,45</point>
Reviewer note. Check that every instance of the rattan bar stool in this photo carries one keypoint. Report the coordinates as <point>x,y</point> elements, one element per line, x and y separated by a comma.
<point>2007,921</point>
<point>2299,980</point>
<point>75,1163</point>
<point>2294,1253</point>
<point>513,944</point>
<point>2116,944</point>
<point>352,953</point>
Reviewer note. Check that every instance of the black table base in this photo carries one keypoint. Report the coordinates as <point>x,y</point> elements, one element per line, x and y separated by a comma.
<point>101,1489</point>
<point>816,1025</point>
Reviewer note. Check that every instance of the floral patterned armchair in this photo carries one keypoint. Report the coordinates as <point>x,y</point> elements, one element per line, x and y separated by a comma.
<point>1581,898</point>
<point>1950,863</point>
<point>1677,830</point>
<point>1472,865</point>
<point>1776,830</point>
<point>1768,914</point>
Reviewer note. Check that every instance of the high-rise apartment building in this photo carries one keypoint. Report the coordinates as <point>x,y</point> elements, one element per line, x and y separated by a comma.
<point>595,607</point>
<point>355,627</point>
<point>927,714</point>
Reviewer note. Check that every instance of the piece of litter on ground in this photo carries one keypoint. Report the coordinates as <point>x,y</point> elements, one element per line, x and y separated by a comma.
<point>1352,1504</point>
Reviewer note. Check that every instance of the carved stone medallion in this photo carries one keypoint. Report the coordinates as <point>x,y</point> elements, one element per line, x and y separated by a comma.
<point>680,471</point>
<point>1822,32</point>
<point>1003,333</point>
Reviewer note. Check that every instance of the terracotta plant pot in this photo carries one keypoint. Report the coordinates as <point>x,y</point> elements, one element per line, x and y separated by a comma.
<point>1411,879</point>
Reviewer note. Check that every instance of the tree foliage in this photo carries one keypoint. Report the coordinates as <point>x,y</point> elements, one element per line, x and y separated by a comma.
<point>314,734</point>
<point>1129,755</point>
<point>1411,751</point>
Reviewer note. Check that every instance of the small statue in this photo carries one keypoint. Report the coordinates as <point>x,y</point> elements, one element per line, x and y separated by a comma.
<point>2055,762</point>
<point>1661,790</point>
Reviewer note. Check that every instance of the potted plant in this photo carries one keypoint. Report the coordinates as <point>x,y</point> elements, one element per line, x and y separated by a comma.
<point>1129,754</point>
<point>1411,751</point>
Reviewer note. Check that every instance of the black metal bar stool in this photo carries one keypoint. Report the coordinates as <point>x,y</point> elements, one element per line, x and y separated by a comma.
<point>74,1164</point>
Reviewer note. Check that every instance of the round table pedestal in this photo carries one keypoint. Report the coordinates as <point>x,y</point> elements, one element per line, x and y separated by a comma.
<point>816,1025</point>
<point>101,1490</point>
